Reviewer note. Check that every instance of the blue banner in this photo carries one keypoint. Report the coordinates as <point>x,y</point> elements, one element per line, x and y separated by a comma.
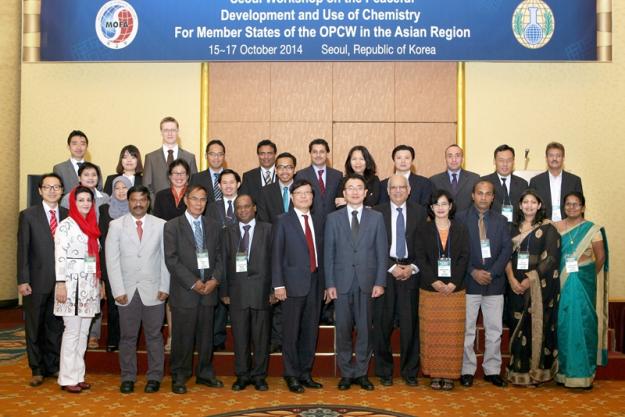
<point>318,30</point>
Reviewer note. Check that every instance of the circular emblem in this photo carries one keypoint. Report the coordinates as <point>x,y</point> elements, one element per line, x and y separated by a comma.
<point>533,23</point>
<point>116,24</point>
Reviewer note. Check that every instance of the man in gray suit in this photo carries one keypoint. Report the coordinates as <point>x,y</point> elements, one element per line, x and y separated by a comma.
<point>135,262</point>
<point>77,143</point>
<point>455,180</point>
<point>157,162</point>
<point>355,259</point>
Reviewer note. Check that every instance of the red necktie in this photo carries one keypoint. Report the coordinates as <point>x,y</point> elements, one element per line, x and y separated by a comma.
<point>321,183</point>
<point>139,229</point>
<point>310,243</point>
<point>53,223</point>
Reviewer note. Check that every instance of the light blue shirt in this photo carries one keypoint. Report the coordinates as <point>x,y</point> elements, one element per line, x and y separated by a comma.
<point>450,175</point>
<point>324,175</point>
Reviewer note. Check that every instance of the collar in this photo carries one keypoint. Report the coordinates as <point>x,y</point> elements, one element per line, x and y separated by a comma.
<point>167,147</point>
<point>135,220</point>
<point>191,219</point>
<point>395,207</point>
<point>301,213</point>
<point>252,223</point>
<point>47,208</point>
<point>282,185</point>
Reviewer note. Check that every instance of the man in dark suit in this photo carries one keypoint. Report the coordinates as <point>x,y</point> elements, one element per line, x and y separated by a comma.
<point>255,179</point>
<point>355,259</point>
<point>508,187</point>
<point>209,178</point>
<point>157,162</point>
<point>455,180</point>
<point>401,296</point>
<point>77,143</point>
<point>36,279</point>
<point>247,246</point>
<point>553,184</point>
<point>297,270</point>
<point>420,187</point>
<point>193,255</point>
<point>491,247</point>
<point>222,211</point>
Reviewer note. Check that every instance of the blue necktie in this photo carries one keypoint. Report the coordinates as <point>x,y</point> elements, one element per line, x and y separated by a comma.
<point>400,235</point>
<point>199,240</point>
<point>454,183</point>
<point>285,199</point>
<point>216,190</point>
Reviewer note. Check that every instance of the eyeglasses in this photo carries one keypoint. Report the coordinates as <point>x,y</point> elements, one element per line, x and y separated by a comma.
<point>285,167</point>
<point>178,174</point>
<point>216,154</point>
<point>298,193</point>
<point>198,199</point>
<point>51,187</point>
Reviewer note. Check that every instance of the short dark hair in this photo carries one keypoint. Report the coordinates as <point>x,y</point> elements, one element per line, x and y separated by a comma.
<point>301,183</point>
<point>82,189</point>
<point>503,148</point>
<point>318,141</point>
<point>578,195</point>
<point>228,171</point>
<point>167,119</point>
<point>288,155</point>
<point>540,214</point>
<point>141,189</point>
<point>89,165</point>
<point>178,162</point>
<point>49,175</point>
<point>554,145</point>
<point>434,199</point>
<point>194,187</point>
<point>353,177</point>
<point>370,166</point>
<point>244,195</point>
<point>483,181</point>
<point>215,142</point>
<point>133,151</point>
<point>79,133</point>
<point>402,148</point>
<point>266,142</point>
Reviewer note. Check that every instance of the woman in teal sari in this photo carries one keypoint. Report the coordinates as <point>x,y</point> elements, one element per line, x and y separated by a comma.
<point>583,311</point>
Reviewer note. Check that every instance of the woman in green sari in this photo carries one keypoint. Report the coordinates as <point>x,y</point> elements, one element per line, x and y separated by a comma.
<point>583,310</point>
<point>532,294</point>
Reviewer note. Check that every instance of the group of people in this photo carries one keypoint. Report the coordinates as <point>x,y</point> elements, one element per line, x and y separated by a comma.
<point>278,249</point>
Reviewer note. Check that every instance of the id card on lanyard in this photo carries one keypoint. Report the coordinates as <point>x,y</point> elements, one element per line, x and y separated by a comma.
<point>506,210</point>
<point>444,267</point>
<point>571,264</point>
<point>202,260</point>
<point>485,247</point>
<point>90,265</point>
<point>523,261</point>
<point>241,262</point>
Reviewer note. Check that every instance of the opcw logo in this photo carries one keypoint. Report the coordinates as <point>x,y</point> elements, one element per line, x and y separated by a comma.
<point>533,24</point>
<point>116,24</point>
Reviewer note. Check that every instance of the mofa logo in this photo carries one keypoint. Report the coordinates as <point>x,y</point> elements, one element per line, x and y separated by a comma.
<point>533,23</point>
<point>116,24</point>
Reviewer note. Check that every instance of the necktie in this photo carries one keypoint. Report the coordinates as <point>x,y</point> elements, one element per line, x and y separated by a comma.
<point>229,212</point>
<point>400,235</point>
<point>53,223</point>
<point>216,190</point>
<point>170,156</point>
<point>199,241</point>
<point>322,185</point>
<point>506,196</point>
<point>245,241</point>
<point>454,182</point>
<point>80,164</point>
<point>140,229</point>
<point>355,225</point>
<point>481,226</point>
<point>285,199</point>
<point>268,179</point>
<point>310,243</point>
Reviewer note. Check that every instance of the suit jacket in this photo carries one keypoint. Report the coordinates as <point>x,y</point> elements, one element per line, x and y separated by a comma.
<point>415,217</point>
<point>290,259</point>
<point>427,254</point>
<point>252,183</point>
<point>108,184</point>
<point>205,179</point>
<point>346,260</point>
<point>373,191</point>
<point>466,181</point>
<point>323,204</point>
<point>517,186</point>
<point>217,211</point>
<point>270,203</point>
<point>68,175</point>
<point>498,234</point>
<point>164,205</point>
<point>249,289</point>
<point>181,261</point>
<point>155,169</point>
<point>570,182</point>
<point>420,190</point>
<point>137,265</point>
<point>35,249</point>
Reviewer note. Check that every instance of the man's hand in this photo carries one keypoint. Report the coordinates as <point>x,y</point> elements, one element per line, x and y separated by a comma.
<point>481,276</point>
<point>199,287</point>
<point>280,293</point>
<point>122,299</point>
<point>377,291</point>
<point>61,292</point>
<point>162,296</point>
<point>209,286</point>
<point>331,293</point>
<point>225,300</point>
<point>24,289</point>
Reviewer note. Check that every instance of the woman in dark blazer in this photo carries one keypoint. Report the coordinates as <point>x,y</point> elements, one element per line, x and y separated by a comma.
<point>442,255</point>
<point>359,161</point>
<point>129,165</point>
<point>169,203</point>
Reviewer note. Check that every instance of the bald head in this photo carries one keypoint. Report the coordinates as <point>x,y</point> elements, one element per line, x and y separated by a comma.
<point>398,189</point>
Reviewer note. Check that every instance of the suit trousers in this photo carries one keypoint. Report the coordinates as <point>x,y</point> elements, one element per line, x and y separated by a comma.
<point>251,327</point>
<point>276,324</point>
<point>492,313</point>
<point>132,316</point>
<point>192,327</point>
<point>73,347</point>
<point>44,331</point>
<point>353,309</point>
<point>398,298</point>
<point>112,319</point>
<point>220,323</point>
<point>301,328</point>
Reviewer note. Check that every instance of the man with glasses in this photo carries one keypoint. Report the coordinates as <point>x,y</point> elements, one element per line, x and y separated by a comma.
<point>255,179</point>
<point>209,178</point>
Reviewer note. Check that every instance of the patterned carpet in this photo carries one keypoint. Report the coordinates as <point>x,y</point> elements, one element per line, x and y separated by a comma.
<point>12,344</point>
<point>313,411</point>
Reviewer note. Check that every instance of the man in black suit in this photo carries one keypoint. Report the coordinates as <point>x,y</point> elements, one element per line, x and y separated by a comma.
<point>209,178</point>
<point>36,278</point>
<point>247,247</point>
<point>222,211</point>
<point>553,184</point>
<point>193,255</point>
<point>255,179</point>
<point>455,180</point>
<point>401,296</point>
<point>508,187</point>
<point>297,270</point>
<point>420,187</point>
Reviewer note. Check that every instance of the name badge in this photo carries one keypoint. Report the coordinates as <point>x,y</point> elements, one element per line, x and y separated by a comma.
<point>523,261</point>
<point>556,215</point>
<point>444,267</point>
<point>90,264</point>
<point>241,262</point>
<point>506,210</point>
<point>202,260</point>
<point>485,246</point>
<point>571,264</point>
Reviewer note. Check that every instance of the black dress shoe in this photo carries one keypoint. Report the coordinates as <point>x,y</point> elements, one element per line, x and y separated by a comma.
<point>219,347</point>
<point>178,388</point>
<point>275,348</point>
<point>496,380</point>
<point>310,383</point>
<point>411,381</point>
<point>240,384</point>
<point>112,348</point>
<point>293,384</point>
<point>36,380</point>
<point>260,384</point>
<point>210,382</point>
<point>386,381</point>
<point>364,383</point>
<point>127,387</point>
<point>466,380</point>
<point>345,383</point>
<point>152,386</point>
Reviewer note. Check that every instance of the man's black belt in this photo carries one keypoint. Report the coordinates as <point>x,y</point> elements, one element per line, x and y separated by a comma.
<point>401,261</point>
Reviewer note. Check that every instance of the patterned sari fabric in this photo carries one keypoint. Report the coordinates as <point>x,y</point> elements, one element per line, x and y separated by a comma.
<point>583,310</point>
<point>533,314</point>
